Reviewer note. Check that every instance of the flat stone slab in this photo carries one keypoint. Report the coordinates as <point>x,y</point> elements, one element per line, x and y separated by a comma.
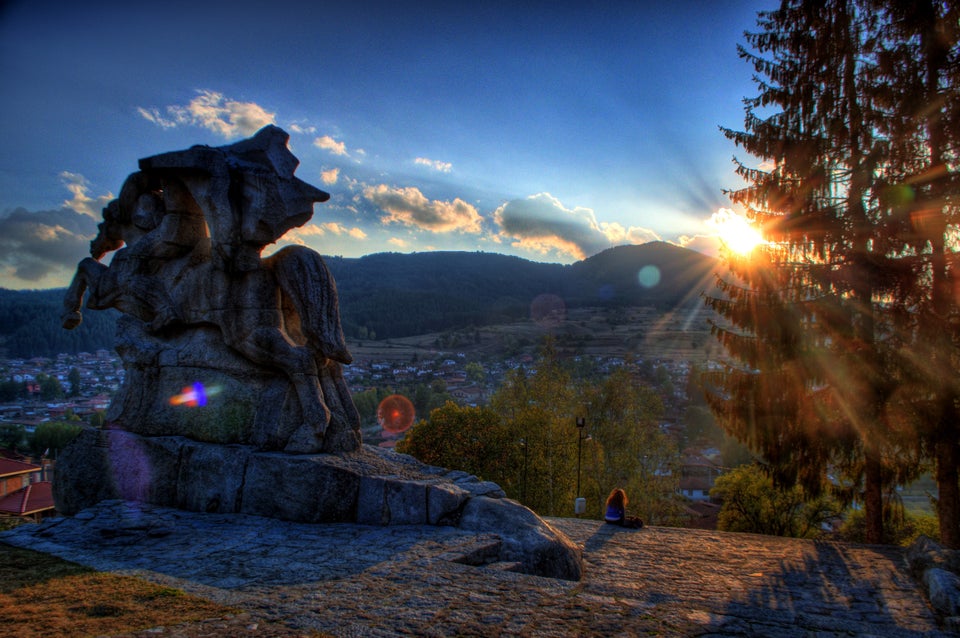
<point>352,580</point>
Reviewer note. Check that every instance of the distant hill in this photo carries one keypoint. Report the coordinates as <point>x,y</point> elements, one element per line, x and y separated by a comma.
<point>393,295</point>
<point>30,325</point>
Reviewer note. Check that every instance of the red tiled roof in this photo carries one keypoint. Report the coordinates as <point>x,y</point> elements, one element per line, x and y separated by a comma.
<point>34,498</point>
<point>9,467</point>
<point>10,454</point>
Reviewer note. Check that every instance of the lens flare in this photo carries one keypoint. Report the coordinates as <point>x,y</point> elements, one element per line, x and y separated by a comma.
<point>548,310</point>
<point>194,396</point>
<point>649,276</point>
<point>735,232</point>
<point>395,414</point>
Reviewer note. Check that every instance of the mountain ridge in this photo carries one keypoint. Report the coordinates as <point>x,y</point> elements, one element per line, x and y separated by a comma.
<point>392,295</point>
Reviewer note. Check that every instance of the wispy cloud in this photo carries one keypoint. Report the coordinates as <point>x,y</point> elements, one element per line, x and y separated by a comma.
<point>542,224</point>
<point>213,111</point>
<point>408,206</point>
<point>81,202</point>
<point>303,129</point>
<point>327,143</point>
<point>443,167</point>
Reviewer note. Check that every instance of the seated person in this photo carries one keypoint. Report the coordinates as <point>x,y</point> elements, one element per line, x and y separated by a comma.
<point>617,511</point>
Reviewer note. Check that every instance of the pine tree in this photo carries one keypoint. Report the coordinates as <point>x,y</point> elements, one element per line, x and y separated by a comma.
<point>822,371</point>
<point>918,81</point>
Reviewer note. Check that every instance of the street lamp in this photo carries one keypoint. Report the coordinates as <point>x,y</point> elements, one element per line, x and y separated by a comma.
<point>523,484</point>
<point>580,503</point>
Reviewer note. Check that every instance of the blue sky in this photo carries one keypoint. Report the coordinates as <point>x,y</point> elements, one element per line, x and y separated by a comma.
<point>548,130</point>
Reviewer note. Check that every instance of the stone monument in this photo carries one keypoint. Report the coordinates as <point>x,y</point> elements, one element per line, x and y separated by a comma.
<point>233,399</point>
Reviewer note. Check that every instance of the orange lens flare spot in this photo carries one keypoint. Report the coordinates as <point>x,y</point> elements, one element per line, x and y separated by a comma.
<point>395,414</point>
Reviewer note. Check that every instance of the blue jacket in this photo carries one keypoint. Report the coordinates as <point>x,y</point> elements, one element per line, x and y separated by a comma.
<point>614,514</point>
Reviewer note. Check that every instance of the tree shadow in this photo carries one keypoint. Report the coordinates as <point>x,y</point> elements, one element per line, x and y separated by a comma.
<point>838,588</point>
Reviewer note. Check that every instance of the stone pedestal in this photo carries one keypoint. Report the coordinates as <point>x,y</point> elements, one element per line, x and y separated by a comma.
<point>368,486</point>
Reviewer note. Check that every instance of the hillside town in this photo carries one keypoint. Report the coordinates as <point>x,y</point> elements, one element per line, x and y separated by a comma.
<point>100,374</point>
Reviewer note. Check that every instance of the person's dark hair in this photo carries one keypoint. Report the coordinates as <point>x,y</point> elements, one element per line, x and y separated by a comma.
<point>617,498</point>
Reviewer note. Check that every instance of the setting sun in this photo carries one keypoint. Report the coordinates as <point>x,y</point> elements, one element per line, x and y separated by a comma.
<point>735,232</point>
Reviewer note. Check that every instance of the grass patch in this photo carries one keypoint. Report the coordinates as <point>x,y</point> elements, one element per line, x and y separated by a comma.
<point>41,595</point>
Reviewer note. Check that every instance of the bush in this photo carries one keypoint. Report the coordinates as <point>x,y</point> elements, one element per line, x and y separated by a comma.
<point>900,530</point>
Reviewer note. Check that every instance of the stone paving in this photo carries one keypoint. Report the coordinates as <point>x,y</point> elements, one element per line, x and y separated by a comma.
<point>354,580</point>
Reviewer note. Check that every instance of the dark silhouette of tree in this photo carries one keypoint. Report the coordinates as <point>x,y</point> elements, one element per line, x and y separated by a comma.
<point>917,78</point>
<point>74,378</point>
<point>821,310</point>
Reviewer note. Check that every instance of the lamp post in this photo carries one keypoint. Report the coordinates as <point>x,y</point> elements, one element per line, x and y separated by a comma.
<point>523,484</point>
<point>580,504</point>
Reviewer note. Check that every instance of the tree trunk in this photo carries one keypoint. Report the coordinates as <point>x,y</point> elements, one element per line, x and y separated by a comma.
<point>873,496</point>
<point>947,453</point>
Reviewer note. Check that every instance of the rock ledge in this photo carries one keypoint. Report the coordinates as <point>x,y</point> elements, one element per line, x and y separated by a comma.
<point>369,486</point>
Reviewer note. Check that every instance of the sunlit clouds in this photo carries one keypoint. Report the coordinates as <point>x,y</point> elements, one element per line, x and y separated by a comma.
<point>542,224</point>
<point>331,145</point>
<point>330,176</point>
<point>213,111</point>
<point>409,207</point>
<point>41,248</point>
<point>442,167</point>
<point>81,202</point>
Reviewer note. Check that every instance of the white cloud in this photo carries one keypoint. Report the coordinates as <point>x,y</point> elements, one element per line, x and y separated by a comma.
<point>215,112</point>
<point>408,206</point>
<point>303,130</point>
<point>706,244</point>
<point>399,243</point>
<point>42,248</point>
<point>81,202</point>
<point>542,224</point>
<point>153,115</point>
<point>330,176</point>
<point>443,167</point>
<point>617,234</point>
<point>327,143</point>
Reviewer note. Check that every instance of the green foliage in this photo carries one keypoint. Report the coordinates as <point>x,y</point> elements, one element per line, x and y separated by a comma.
<point>542,409</point>
<point>424,397</point>
<point>475,440</point>
<point>50,387</point>
<point>74,378</point>
<point>11,390</point>
<point>628,450</point>
<point>844,322</point>
<point>13,436</point>
<point>528,442</point>
<point>752,503</point>
<point>475,372</point>
<point>53,436</point>
<point>902,529</point>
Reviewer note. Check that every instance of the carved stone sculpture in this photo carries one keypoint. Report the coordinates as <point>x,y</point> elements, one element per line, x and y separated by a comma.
<point>234,399</point>
<point>201,306</point>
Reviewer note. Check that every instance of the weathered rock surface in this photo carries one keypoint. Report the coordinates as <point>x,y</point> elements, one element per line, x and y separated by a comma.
<point>937,571</point>
<point>219,343</point>
<point>234,401</point>
<point>369,486</point>
<point>293,579</point>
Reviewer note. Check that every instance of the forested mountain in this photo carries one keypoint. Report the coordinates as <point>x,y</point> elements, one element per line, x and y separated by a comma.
<point>30,325</point>
<point>391,295</point>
